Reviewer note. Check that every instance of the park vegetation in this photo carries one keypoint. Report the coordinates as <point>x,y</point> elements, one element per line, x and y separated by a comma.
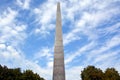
<point>16,74</point>
<point>88,73</point>
<point>92,73</point>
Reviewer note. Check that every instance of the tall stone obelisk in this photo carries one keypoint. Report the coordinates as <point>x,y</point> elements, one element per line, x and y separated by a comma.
<point>58,68</point>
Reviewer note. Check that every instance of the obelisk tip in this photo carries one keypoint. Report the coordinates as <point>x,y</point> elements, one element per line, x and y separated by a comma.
<point>58,3</point>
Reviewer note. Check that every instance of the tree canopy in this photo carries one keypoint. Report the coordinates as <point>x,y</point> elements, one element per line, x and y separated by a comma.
<point>111,74</point>
<point>16,74</point>
<point>92,73</point>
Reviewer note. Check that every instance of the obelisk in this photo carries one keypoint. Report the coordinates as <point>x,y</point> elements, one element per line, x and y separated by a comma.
<point>58,68</point>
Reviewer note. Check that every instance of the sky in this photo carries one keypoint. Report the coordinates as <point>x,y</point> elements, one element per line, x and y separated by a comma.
<point>91,35</point>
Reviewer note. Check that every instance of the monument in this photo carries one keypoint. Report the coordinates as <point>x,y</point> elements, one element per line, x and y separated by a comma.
<point>58,67</point>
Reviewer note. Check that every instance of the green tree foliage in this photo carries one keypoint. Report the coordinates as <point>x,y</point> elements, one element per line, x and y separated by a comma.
<point>111,74</point>
<point>28,75</point>
<point>92,73</point>
<point>16,74</point>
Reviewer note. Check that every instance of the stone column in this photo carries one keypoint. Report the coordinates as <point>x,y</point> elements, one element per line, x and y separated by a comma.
<point>58,68</point>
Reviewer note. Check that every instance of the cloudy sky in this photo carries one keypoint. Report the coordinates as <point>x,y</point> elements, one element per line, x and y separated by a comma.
<point>91,35</point>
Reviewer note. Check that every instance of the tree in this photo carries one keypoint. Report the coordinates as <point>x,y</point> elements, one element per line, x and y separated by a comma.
<point>29,75</point>
<point>111,74</point>
<point>92,73</point>
<point>16,74</point>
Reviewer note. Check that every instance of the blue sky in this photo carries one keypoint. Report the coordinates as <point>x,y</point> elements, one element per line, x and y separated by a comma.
<point>91,35</point>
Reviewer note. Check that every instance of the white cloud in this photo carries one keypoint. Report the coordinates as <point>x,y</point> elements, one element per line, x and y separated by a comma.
<point>25,4</point>
<point>6,19</point>
<point>50,64</point>
<point>74,73</point>
<point>2,46</point>
<point>105,56</point>
<point>10,30</point>
<point>79,52</point>
<point>102,53</point>
<point>9,52</point>
<point>12,34</point>
<point>45,15</point>
<point>89,20</point>
<point>109,44</point>
<point>44,52</point>
<point>70,37</point>
<point>112,29</point>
